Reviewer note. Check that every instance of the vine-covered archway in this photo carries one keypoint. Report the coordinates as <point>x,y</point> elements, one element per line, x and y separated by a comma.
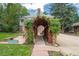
<point>40,21</point>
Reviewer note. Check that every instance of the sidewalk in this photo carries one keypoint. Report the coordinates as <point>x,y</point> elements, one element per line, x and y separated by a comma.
<point>39,49</point>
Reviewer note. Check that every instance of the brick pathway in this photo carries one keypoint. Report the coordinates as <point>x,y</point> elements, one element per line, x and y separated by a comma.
<point>38,49</point>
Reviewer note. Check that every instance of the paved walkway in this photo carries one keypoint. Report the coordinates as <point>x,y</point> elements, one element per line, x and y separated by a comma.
<point>69,45</point>
<point>68,40</point>
<point>38,48</point>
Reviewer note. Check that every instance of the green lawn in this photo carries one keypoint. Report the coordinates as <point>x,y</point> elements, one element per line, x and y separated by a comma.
<point>4,35</point>
<point>54,53</point>
<point>15,50</point>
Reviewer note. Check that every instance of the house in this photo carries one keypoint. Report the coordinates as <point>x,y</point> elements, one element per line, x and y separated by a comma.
<point>76,27</point>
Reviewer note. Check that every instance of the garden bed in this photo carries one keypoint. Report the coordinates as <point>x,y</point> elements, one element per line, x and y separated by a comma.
<point>15,50</point>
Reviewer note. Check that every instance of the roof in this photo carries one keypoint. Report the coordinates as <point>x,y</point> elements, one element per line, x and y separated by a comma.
<point>76,24</point>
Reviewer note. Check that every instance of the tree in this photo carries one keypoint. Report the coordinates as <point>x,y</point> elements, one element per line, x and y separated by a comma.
<point>47,8</point>
<point>1,11</point>
<point>11,16</point>
<point>66,12</point>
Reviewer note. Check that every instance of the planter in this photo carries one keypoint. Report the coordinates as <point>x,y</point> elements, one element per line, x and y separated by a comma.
<point>50,40</point>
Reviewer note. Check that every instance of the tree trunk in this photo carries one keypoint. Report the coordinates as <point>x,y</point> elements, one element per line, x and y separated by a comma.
<point>62,29</point>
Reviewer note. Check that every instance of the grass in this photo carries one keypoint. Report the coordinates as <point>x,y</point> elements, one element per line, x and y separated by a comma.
<point>15,50</point>
<point>4,35</point>
<point>54,53</point>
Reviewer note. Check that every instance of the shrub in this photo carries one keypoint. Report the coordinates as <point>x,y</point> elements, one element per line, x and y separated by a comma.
<point>30,36</point>
<point>28,25</point>
<point>54,26</point>
<point>9,28</point>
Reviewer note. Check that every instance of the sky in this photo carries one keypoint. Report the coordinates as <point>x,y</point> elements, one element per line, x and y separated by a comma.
<point>34,5</point>
<point>41,6</point>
